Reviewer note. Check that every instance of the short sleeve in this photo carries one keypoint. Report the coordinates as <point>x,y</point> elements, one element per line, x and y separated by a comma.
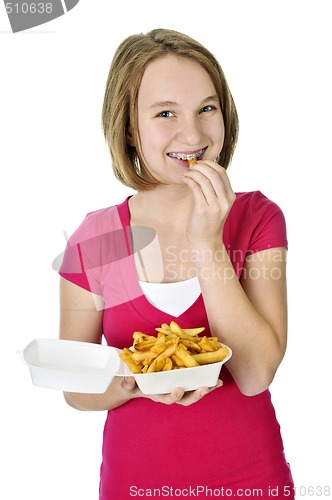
<point>98,242</point>
<point>79,251</point>
<point>269,225</point>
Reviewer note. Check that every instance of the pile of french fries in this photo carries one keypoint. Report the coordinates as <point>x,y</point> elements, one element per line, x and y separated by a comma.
<point>173,347</point>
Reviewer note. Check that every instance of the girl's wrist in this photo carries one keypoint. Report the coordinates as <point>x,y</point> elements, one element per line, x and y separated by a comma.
<point>208,249</point>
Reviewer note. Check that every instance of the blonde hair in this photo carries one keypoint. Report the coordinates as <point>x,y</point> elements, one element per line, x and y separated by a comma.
<point>119,112</point>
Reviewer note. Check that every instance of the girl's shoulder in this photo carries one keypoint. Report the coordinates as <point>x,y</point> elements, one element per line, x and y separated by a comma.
<point>254,203</point>
<point>99,222</point>
<point>258,219</point>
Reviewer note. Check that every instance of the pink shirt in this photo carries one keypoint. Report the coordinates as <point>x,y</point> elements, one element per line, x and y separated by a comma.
<point>226,440</point>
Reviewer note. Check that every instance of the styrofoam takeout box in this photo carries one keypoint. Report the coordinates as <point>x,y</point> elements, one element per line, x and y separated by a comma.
<point>71,366</point>
<point>188,378</point>
<point>74,366</point>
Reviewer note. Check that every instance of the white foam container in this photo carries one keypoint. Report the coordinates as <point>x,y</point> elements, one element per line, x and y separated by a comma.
<point>71,366</point>
<point>187,378</point>
<point>74,366</point>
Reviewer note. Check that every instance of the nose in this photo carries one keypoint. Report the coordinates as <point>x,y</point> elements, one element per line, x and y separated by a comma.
<point>189,131</point>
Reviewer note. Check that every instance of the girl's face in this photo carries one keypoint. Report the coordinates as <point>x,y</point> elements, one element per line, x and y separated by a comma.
<point>178,115</point>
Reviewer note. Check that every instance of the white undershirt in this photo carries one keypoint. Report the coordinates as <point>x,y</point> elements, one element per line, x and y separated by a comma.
<point>172,298</point>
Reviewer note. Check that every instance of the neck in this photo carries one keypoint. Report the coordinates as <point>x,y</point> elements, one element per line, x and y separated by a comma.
<point>166,205</point>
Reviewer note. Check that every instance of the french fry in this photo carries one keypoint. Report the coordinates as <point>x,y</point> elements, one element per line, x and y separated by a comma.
<point>193,331</point>
<point>216,344</point>
<point>163,331</point>
<point>206,344</point>
<point>139,335</point>
<point>144,345</point>
<point>211,357</point>
<point>168,365</point>
<point>193,346</point>
<point>183,335</point>
<point>175,328</point>
<point>187,359</point>
<point>170,350</point>
<point>139,356</point>
<point>126,356</point>
<point>177,361</point>
<point>158,348</point>
<point>150,357</point>
<point>157,364</point>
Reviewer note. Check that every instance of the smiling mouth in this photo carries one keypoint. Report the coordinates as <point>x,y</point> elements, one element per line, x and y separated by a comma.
<point>190,156</point>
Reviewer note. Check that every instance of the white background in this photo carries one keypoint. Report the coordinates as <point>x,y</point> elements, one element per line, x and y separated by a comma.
<point>55,168</point>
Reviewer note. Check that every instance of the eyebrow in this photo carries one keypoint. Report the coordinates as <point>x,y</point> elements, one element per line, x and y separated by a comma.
<point>166,104</point>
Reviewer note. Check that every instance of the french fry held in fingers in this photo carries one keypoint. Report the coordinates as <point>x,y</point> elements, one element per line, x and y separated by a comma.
<point>172,348</point>
<point>193,160</point>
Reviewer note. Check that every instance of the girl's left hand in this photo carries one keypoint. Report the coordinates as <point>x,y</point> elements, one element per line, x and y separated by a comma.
<point>179,395</point>
<point>213,199</point>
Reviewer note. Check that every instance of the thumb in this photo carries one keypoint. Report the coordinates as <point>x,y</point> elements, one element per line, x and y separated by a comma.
<point>128,383</point>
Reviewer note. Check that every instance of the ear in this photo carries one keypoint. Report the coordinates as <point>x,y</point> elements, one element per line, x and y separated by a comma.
<point>130,139</point>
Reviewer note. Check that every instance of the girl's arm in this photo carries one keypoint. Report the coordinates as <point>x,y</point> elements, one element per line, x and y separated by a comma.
<point>80,320</point>
<point>250,317</point>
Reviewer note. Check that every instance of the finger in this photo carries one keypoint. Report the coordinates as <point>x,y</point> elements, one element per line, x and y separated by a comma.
<point>210,193</point>
<point>219,383</point>
<point>217,174</point>
<point>168,399</point>
<point>194,396</point>
<point>223,175</point>
<point>222,186</point>
<point>212,179</point>
<point>200,198</point>
<point>173,397</point>
<point>128,384</point>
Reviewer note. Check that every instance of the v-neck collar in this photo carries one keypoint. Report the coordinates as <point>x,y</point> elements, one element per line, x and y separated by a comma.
<point>194,314</point>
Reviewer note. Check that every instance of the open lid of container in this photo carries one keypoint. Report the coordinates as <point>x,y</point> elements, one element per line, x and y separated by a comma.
<point>72,366</point>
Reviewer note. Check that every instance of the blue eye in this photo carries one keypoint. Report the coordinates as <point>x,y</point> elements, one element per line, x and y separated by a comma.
<point>165,114</point>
